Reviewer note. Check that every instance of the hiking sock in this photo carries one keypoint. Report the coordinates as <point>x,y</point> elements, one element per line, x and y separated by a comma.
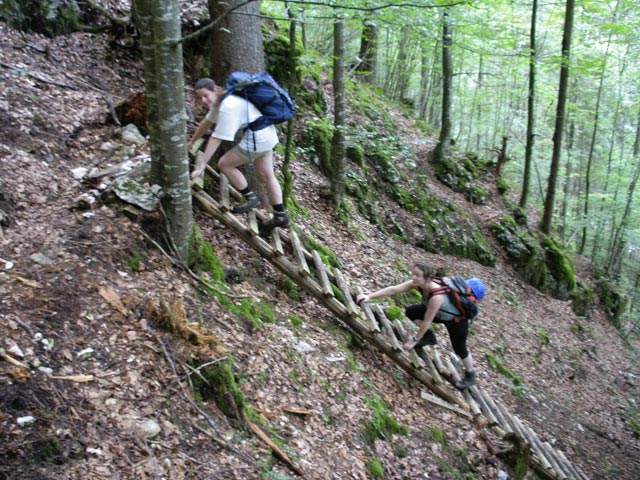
<point>251,201</point>
<point>468,381</point>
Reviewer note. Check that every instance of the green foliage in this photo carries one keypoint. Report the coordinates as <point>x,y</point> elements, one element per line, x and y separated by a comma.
<point>496,365</point>
<point>275,476</point>
<point>201,257</point>
<point>381,425</point>
<point>438,436</point>
<point>216,382</point>
<point>544,337</point>
<point>291,289</point>
<point>326,254</point>
<point>256,312</point>
<point>503,186</point>
<point>374,467</point>
<point>319,133</point>
<point>135,260</point>
<point>394,313</point>
<point>449,229</point>
<point>581,299</point>
<point>296,321</point>
<point>355,153</point>
<point>632,417</point>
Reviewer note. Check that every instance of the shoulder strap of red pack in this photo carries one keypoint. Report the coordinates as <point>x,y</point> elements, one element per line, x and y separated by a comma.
<point>445,288</point>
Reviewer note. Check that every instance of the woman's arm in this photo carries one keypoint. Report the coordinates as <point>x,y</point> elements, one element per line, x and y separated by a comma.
<point>435,302</point>
<point>203,127</point>
<point>212,146</point>
<point>386,291</point>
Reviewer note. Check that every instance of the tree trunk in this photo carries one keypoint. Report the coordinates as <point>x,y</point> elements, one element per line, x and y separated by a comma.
<point>237,40</point>
<point>444,141</point>
<point>144,22</point>
<point>531,107</point>
<point>337,144</point>
<point>560,116</point>
<point>615,252</point>
<point>173,123</point>
<point>369,51</point>
<point>287,189</point>
<point>592,146</point>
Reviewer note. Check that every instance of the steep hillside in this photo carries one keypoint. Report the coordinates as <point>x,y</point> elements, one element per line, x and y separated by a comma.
<point>93,387</point>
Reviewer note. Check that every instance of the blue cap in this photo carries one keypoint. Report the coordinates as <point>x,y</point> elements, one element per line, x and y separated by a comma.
<point>477,287</point>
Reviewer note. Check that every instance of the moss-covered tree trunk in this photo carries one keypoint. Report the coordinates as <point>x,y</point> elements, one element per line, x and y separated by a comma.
<point>338,142</point>
<point>369,51</point>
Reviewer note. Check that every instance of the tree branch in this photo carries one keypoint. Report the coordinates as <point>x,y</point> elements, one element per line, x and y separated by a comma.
<point>210,26</point>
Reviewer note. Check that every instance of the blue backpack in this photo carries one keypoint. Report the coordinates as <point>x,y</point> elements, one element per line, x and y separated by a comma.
<point>264,92</point>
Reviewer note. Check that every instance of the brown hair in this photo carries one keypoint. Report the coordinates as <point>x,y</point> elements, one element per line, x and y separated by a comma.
<point>427,270</point>
<point>208,84</point>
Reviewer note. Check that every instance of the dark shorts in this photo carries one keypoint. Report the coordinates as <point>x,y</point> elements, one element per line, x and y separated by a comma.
<point>458,331</point>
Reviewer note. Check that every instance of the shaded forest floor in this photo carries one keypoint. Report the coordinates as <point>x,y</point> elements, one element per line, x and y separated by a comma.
<point>101,371</point>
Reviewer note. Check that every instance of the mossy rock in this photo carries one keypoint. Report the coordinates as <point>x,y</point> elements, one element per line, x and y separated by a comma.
<point>48,17</point>
<point>525,254</point>
<point>581,299</point>
<point>459,174</point>
<point>560,267</point>
<point>319,134</point>
<point>449,230</point>
<point>355,153</point>
<point>614,302</point>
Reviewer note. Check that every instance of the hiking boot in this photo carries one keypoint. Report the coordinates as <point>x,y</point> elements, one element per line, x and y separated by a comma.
<point>280,219</point>
<point>251,202</point>
<point>429,338</point>
<point>469,380</point>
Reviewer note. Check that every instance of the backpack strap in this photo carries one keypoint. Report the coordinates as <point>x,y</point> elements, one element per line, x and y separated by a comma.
<point>451,293</point>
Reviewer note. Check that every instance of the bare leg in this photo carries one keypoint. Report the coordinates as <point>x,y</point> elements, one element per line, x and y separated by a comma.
<point>229,163</point>
<point>264,169</point>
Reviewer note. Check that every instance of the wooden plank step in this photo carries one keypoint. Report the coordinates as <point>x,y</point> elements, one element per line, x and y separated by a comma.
<point>346,293</point>
<point>321,271</point>
<point>372,323</point>
<point>416,361</point>
<point>386,327</point>
<point>225,204</point>
<point>303,268</point>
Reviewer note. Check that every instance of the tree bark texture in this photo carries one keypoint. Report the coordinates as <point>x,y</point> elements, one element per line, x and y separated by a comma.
<point>369,51</point>
<point>236,43</point>
<point>560,116</point>
<point>164,81</point>
<point>337,144</point>
<point>444,141</point>
<point>531,108</point>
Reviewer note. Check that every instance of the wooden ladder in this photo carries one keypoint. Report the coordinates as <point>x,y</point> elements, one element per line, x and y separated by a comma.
<point>330,287</point>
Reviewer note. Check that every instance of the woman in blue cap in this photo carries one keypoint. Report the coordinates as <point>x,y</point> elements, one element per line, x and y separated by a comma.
<point>435,307</point>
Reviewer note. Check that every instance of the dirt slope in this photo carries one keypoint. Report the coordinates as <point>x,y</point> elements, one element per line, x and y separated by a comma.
<point>72,310</point>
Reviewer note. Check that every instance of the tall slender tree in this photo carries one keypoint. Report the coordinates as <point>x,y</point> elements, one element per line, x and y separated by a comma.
<point>337,143</point>
<point>560,117</point>
<point>531,107</point>
<point>444,141</point>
